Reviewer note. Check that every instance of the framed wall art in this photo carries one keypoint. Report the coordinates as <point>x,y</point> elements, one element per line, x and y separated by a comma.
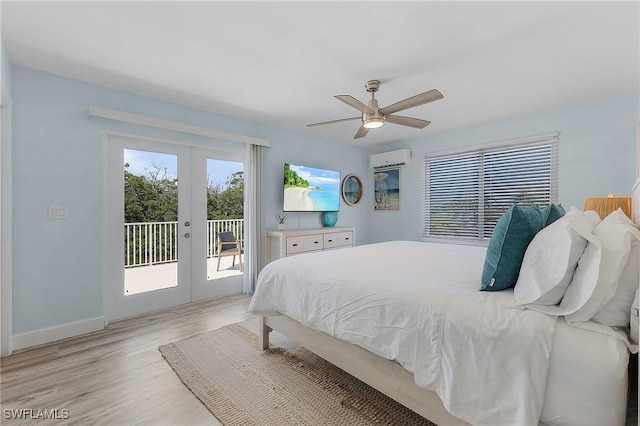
<point>386,185</point>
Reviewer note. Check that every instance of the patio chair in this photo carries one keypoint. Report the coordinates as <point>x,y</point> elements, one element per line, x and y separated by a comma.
<point>228,245</point>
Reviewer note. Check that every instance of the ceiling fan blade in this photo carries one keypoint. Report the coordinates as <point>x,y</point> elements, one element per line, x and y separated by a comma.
<point>414,101</point>
<point>353,102</point>
<point>334,121</point>
<point>407,121</point>
<point>362,132</point>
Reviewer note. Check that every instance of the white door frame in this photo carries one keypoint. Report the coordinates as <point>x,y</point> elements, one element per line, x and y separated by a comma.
<point>116,304</point>
<point>6,242</point>
<point>113,264</point>
<point>201,288</point>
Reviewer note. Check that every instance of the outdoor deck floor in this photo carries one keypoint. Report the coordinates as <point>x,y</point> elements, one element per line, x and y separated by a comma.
<point>147,278</point>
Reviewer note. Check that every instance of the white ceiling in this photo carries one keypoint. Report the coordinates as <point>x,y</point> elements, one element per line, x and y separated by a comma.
<point>280,63</point>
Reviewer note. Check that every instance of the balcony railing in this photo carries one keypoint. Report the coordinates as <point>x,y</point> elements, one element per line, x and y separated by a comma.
<point>150,243</point>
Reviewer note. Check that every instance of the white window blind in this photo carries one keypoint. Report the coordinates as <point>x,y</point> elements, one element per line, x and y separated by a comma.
<point>465,193</point>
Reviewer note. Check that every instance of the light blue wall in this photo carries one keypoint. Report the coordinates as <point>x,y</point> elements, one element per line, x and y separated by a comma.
<point>597,157</point>
<point>57,159</point>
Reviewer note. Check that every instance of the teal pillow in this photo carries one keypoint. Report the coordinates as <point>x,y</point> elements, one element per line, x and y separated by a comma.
<point>551,213</point>
<point>509,241</point>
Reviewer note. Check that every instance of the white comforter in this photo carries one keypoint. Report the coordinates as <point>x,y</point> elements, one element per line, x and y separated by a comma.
<point>420,304</point>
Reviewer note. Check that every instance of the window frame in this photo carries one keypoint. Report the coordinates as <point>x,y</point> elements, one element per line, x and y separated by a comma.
<point>552,140</point>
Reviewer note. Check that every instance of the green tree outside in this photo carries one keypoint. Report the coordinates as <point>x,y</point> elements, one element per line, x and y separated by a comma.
<point>226,202</point>
<point>150,198</point>
<point>154,197</point>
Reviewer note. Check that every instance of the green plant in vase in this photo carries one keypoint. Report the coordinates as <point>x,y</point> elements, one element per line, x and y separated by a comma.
<point>281,222</point>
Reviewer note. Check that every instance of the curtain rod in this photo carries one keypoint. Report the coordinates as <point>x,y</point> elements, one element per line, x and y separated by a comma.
<point>159,123</point>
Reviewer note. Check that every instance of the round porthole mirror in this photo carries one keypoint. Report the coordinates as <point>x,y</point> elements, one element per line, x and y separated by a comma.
<point>351,189</point>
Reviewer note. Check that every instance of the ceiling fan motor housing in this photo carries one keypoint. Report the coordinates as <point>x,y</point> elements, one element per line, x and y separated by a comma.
<point>375,120</point>
<point>373,106</point>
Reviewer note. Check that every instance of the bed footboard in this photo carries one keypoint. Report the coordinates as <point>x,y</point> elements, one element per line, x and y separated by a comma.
<point>386,376</point>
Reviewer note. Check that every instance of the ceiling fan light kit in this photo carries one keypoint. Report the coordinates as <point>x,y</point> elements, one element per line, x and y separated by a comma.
<point>372,123</point>
<point>374,117</point>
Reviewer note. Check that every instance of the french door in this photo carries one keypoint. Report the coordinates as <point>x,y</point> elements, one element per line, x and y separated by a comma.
<point>161,243</point>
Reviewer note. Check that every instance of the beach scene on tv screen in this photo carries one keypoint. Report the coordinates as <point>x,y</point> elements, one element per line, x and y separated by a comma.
<point>311,189</point>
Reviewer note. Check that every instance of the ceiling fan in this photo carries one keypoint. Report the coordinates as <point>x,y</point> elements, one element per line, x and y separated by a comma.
<point>373,116</point>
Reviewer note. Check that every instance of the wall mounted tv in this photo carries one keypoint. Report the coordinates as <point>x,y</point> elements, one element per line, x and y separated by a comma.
<point>308,189</point>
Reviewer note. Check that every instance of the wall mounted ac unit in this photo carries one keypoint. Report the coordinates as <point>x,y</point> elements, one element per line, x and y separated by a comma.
<point>397,158</point>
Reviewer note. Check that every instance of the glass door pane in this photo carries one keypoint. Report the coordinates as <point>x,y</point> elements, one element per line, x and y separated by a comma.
<point>151,221</point>
<point>225,215</point>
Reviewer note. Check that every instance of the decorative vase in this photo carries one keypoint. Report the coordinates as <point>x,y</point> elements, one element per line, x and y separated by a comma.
<point>329,219</point>
<point>281,227</point>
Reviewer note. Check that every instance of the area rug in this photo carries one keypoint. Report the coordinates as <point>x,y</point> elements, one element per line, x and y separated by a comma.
<point>284,385</point>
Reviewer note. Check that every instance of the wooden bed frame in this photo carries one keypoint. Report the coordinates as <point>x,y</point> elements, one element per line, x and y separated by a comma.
<point>387,376</point>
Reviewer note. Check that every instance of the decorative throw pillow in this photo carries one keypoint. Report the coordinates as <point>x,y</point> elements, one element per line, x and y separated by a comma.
<point>551,213</point>
<point>511,236</point>
<point>551,259</point>
<point>615,233</point>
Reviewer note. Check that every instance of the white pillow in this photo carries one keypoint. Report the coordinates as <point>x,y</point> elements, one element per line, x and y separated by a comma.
<point>634,320</point>
<point>615,233</point>
<point>551,258</point>
<point>616,312</point>
<point>583,284</point>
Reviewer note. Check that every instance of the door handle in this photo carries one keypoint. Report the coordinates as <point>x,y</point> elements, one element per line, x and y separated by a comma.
<point>187,235</point>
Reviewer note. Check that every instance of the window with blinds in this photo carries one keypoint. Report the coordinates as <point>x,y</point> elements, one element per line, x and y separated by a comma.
<point>465,193</point>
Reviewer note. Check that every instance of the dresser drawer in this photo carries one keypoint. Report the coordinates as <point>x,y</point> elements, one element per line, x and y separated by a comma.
<point>338,239</point>
<point>304,243</point>
<point>291,242</point>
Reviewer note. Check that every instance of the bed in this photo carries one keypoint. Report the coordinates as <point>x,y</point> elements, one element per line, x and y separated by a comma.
<point>407,318</point>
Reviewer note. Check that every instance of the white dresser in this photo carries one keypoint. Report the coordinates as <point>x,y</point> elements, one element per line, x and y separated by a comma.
<point>290,242</point>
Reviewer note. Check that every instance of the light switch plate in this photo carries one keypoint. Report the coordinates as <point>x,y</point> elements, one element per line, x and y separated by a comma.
<point>58,212</point>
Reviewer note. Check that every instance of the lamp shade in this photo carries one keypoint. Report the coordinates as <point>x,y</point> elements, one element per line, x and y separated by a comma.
<point>605,205</point>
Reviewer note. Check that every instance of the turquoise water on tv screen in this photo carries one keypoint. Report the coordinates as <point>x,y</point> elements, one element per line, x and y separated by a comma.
<point>328,199</point>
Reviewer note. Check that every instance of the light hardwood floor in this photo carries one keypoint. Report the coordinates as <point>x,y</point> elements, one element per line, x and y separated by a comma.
<point>116,376</point>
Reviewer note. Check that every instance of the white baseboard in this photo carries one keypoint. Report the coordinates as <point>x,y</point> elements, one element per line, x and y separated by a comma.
<point>58,332</point>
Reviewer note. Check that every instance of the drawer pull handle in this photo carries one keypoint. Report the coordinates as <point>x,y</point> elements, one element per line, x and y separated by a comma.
<point>295,245</point>
<point>347,239</point>
<point>330,241</point>
<point>316,242</point>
